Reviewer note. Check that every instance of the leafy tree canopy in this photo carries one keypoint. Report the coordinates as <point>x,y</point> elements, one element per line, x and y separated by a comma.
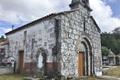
<point>111,40</point>
<point>2,38</point>
<point>105,51</point>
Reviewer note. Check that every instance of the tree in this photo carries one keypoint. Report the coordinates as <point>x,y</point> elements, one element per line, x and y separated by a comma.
<point>105,51</point>
<point>2,38</point>
<point>111,41</point>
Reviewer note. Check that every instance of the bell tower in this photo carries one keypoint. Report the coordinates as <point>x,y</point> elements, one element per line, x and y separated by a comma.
<point>78,3</point>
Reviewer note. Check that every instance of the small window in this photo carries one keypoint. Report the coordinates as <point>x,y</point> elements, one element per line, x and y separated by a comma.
<point>25,35</point>
<point>57,22</point>
<point>84,24</point>
<point>85,1</point>
<point>33,41</point>
<point>57,27</point>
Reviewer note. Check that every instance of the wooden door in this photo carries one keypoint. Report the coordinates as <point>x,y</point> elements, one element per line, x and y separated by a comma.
<point>91,65</point>
<point>21,61</point>
<point>81,64</point>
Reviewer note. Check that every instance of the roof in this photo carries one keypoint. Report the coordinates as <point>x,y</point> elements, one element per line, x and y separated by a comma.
<point>111,54</point>
<point>46,17</point>
<point>38,20</point>
<point>4,42</point>
<point>99,30</point>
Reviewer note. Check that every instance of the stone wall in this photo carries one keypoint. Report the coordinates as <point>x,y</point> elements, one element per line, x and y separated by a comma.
<point>75,27</point>
<point>72,33</point>
<point>31,39</point>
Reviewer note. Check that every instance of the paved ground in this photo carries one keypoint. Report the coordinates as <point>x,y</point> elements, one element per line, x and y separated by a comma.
<point>108,67</point>
<point>5,70</point>
<point>108,78</point>
<point>111,73</point>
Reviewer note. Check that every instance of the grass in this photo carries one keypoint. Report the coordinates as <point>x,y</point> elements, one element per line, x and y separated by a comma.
<point>115,72</point>
<point>11,77</point>
<point>92,78</point>
<point>21,77</point>
<point>89,78</point>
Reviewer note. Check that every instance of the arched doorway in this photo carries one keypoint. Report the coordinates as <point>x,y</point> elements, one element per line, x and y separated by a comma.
<point>41,61</point>
<point>85,59</point>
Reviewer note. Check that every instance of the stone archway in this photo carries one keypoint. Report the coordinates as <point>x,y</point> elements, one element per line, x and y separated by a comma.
<point>41,61</point>
<point>89,56</point>
<point>85,53</point>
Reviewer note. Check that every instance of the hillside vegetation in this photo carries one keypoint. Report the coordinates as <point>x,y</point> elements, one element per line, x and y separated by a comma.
<point>111,41</point>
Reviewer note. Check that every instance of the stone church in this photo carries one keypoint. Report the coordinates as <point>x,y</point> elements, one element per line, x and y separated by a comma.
<point>66,43</point>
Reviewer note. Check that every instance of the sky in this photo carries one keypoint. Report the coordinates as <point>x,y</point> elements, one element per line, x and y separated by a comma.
<point>19,12</point>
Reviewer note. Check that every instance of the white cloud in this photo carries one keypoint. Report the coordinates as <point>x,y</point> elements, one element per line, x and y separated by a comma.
<point>104,15</point>
<point>16,11</point>
<point>3,30</point>
<point>29,9</point>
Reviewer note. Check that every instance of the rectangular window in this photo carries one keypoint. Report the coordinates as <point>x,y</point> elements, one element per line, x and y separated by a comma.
<point>57,27</point>
<point>84,26</point>
<point>25,36</point>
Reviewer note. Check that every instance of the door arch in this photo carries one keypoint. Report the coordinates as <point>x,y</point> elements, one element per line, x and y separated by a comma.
<point>41,60</point>
<point>85,61</point>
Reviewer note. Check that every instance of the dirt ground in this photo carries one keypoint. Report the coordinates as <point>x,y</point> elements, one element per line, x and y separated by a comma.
<point>11,77</point>
<point>112,71</point>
